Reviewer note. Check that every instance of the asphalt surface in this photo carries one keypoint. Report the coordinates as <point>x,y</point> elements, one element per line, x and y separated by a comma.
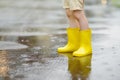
<point>32,30</point>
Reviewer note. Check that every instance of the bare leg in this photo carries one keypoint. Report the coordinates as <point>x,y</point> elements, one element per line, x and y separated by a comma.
<point>72,33</point>
<point>85,34</point>
<point>80,16</point>
<point>73,22</point>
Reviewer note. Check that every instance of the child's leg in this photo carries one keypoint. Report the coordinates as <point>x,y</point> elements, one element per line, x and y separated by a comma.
<point>73,22</point>
<point>80,16</point>
<point>85,34</point>
<point>72,33</point>
<point>85,48</point>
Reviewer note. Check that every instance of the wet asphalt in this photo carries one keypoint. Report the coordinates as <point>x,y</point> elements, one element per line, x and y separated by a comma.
<point>32,30</point>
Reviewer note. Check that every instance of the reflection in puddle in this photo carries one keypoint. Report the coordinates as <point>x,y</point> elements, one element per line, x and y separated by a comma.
<point>79,67</point>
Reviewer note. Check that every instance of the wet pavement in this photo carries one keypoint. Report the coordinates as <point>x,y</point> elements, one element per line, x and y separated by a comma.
<point>32,30</point>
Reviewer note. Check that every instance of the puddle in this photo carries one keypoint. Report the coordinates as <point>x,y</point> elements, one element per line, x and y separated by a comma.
<point>30,33</point>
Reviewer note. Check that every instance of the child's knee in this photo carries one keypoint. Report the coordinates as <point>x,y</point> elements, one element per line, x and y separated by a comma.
<point>69,13</point>
<point>77,14</point>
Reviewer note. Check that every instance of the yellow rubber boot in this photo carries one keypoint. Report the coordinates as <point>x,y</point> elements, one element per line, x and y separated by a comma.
<point>85,44</point>
<point>73,41</point>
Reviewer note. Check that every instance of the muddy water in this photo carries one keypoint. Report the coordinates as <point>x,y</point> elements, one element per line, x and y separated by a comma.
<point>32,30</point>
